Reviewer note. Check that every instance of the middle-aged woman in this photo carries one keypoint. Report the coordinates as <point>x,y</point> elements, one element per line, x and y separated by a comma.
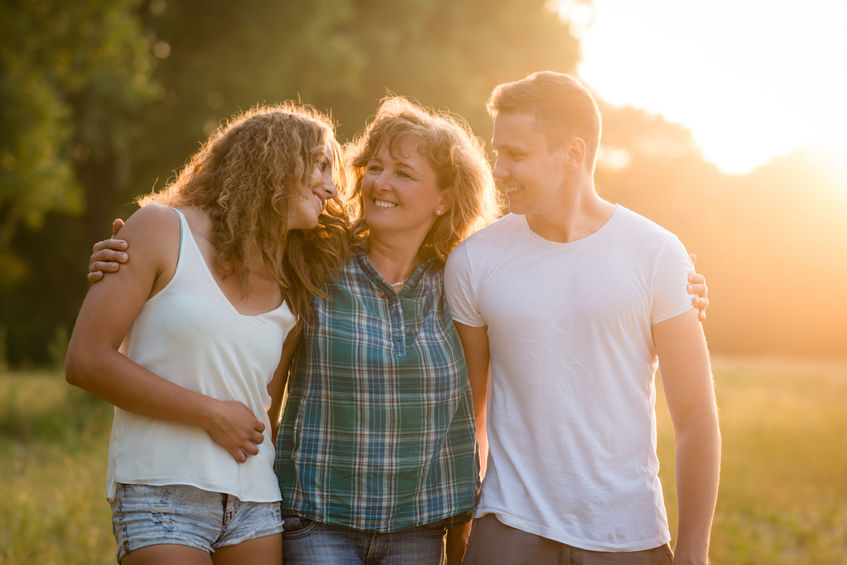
<point>376,455</point>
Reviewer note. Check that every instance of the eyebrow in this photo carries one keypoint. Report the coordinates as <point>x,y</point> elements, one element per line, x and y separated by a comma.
<point>399,161</point>
<point>509,147</point>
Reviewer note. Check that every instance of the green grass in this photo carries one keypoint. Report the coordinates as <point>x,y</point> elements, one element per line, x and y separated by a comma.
<point>783,497</point>
<point>54,442</point>
<point>783,493</point>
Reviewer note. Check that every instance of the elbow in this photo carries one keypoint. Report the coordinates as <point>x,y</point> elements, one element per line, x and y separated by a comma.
<point>79,366</point>
<point>74,369</point>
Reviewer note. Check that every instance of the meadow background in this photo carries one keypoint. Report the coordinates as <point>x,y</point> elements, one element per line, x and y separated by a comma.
<point>102,100</point>
<point>783,493</point>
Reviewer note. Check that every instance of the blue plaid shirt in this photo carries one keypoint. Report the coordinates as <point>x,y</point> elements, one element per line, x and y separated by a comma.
<point>377,432</point>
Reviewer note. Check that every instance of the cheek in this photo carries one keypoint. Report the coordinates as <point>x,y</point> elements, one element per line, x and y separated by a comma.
<point>367,183</point>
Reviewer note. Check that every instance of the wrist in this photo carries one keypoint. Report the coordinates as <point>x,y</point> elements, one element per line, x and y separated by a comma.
<point>209,412</point>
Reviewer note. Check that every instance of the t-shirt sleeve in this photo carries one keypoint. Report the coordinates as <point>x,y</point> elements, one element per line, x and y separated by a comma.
<point>461,289</point>
<point>670,278</point>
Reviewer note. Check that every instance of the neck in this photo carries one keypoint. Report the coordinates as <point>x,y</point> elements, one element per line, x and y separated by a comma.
<point>577,213</point>
<point>394,261</point>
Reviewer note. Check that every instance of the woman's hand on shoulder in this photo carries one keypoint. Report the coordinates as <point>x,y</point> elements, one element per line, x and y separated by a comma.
<point>107,255</point>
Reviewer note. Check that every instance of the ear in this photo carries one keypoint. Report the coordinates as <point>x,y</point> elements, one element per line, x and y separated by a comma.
<point>575,153</point>
<point>444,202</point>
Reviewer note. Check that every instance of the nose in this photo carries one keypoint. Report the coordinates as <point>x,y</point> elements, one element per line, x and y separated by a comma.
<point>322,183</point>
<point>380,181</point>
<point>327,189</point>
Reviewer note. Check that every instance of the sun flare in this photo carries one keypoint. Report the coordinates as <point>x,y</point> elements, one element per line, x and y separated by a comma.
<point>752,79</point>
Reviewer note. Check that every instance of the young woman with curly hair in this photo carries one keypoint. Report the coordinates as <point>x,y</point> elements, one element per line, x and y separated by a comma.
<point>187,339</point>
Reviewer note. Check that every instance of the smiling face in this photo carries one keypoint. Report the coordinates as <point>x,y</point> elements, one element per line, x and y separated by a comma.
<point>400,192</point>
<point>533,175</point>
<point>304,213</point>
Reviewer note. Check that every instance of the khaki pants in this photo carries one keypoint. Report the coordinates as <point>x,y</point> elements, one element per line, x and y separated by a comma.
<point>493,543</point>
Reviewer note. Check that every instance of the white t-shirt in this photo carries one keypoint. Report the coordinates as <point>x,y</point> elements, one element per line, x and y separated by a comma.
<point>190,334</point>
<point>571,419</point>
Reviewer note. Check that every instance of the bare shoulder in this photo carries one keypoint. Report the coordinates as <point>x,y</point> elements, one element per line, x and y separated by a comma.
<point>152,236</point>
<point>150,217</point>
<point>150,226</point>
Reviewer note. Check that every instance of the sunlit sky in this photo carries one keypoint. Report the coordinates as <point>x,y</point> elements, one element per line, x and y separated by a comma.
<point>752,79</point>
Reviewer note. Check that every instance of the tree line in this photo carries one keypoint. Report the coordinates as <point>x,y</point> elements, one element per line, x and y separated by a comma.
<point>103,100</point>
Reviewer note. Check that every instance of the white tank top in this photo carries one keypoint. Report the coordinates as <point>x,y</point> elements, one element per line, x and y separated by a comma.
<point>190,334</point>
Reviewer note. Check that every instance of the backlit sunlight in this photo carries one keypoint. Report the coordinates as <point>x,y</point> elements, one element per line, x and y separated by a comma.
<point>752,79</point>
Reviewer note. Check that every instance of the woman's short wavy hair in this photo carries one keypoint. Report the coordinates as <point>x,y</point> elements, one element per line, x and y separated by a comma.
<point>455,153</point>
<point>248,176</point>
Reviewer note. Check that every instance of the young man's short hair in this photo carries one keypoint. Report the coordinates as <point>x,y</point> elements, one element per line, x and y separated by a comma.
<point>562,106</point>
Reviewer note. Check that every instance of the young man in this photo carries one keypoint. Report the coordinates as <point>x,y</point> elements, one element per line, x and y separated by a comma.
<point>571,302</point>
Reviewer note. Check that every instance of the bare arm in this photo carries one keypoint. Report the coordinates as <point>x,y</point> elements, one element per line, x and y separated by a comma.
<point>276,388</point>
<point>687,378</point>
<point>477,358</point>
<point>95,363</point>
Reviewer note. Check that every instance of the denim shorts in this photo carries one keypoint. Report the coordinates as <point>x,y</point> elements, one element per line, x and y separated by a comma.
<point>145,515</point>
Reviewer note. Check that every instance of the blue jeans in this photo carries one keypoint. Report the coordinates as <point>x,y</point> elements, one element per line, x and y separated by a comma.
<point>306,542</point>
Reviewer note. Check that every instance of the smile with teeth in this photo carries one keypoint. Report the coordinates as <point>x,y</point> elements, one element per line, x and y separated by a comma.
<point>384,204</point>
<point>511,189</point>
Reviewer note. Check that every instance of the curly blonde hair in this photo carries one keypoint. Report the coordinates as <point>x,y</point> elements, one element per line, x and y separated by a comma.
<point>451,148</point>
<point>247,176</point>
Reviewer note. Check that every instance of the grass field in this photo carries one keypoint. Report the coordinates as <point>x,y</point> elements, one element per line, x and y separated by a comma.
<point>783,496</point>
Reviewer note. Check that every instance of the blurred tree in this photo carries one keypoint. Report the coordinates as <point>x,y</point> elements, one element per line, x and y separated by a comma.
<point>768,241</point>
<point>101,100</point>
<point>72,77</point>
<point>77,92</point>
<point>341,56</point>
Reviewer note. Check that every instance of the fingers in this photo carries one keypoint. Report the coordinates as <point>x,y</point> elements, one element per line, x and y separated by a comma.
<point>256,438</point>
<point>698,289</point>
<point>237,429</point>
<point>117,224</point>
<point>251,446</point>
<point>701,304</point>
<point>105,259</point>
<point>693,257</point>
<point>104,266</point>
<point>696,278</point>
<point>109,246</point>
<point>109,255</point>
